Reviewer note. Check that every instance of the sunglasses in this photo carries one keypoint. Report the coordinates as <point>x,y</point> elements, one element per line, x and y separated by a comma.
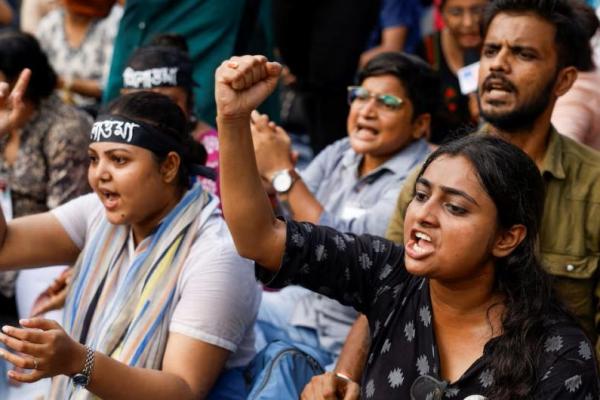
<point>359,95</point>
<point>426,387</point>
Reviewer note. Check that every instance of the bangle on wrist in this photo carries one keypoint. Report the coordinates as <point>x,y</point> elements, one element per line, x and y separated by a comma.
<point>344,377</point>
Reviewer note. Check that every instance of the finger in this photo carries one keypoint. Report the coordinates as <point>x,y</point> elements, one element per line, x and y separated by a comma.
<point>21,85</point>
<point>4,90</point>
<point>21,346</point>
<point>273,69</point>
<point>310,390</point>
<point>52,303</point>
<point>21,361</point>
<point>28,335</point>
<point>329,386</point>
<point>40,323</point>
<point>33,376</point>
<point>352,391</point>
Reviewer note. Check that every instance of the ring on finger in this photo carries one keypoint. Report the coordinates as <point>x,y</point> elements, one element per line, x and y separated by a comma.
<point>35,363</point>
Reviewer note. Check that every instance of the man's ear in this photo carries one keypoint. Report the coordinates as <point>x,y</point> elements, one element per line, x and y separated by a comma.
<point>421,126</point>
<point>508,239</point>
<point>565,79</point>
<point>170,167</point>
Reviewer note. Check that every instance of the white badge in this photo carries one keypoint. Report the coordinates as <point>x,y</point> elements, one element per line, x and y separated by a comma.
<point>351,212</point>
<point>6,203</point>
<point>467,78</point>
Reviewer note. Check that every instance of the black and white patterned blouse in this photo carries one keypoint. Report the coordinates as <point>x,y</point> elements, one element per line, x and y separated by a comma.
<point>368,273</point>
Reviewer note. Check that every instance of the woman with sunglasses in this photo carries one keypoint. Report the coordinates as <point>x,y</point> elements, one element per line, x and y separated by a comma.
<point>160,305</point>
<point>463,308</point>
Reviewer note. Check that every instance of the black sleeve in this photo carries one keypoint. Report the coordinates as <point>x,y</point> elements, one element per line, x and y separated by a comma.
<point>346,267</point>
<point>572,374</point>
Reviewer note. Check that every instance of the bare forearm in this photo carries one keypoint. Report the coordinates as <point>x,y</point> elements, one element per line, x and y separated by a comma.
<point>112,379</point>
<point>354,353</point>
<point>245,204</point>
<point>303,204</point>
<point>85,87</point>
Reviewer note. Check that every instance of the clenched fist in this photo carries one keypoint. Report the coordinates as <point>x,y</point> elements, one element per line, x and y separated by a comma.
<point>242,84</point>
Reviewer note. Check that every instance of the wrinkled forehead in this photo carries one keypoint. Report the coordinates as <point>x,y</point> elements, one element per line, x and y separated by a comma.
<point>522,29</point>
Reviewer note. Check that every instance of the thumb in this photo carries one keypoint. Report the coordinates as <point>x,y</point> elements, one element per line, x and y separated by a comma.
<point>39,323</point>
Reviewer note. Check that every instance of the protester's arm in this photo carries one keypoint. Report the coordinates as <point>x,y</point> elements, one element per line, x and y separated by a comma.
<point>272,147</point>
<point>392,39</point>
<point>353,357</point>
<point>35,240</point>
<point>181,375</point>
<point>349,368</point>
<point>84,87</point>
<point>241,84</point>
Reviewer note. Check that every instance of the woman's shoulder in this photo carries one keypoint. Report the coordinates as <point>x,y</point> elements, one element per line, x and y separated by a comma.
<point>567,363</point>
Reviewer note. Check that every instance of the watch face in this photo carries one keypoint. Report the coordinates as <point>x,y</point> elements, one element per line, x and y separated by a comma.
<point>81,380</point>
<point>282,181</point>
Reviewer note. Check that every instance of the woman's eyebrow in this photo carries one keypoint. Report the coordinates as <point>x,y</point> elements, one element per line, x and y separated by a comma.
<point>457,192</point>
<point>448,190</point>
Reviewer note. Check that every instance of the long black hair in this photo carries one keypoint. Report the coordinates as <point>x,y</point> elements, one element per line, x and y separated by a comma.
<point>515,185</point>
<point>161,113</point>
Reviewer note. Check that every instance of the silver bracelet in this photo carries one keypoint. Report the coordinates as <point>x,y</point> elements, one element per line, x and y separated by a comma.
<point>83,378</point>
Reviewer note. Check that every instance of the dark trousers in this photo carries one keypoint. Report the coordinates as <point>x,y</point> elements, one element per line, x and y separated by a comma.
<point>321,42</point>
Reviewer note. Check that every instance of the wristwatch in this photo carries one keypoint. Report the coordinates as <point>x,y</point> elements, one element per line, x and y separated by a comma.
<point>82,378</point>
<point>284,179</point>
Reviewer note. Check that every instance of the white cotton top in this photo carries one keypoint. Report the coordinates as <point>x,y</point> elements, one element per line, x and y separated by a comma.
<point>218,293</point>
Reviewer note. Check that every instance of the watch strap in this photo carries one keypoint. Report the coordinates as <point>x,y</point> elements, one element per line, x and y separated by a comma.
<point>83,378</point>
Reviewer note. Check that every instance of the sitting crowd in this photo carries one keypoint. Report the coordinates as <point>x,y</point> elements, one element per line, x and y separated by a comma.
<point>447,247</point>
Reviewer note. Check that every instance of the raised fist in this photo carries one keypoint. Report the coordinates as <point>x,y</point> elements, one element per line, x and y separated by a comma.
<point>243,83</point>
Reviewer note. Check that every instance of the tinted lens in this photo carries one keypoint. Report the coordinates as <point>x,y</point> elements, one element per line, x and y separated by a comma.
<point>389,101</point>
<point>426,387</point>
<point>357,92</point>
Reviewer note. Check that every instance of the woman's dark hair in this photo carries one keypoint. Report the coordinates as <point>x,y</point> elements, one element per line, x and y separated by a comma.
<point>19,50</point>
<point>572,25</point>
<point>515,185</point>
<point>170,40</point>
<point>160,112</point>
<point>421,82</point>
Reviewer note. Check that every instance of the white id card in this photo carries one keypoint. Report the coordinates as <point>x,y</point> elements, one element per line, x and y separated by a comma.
<point>467,78</point>
<point>351,212</point>
<point>6,204</point>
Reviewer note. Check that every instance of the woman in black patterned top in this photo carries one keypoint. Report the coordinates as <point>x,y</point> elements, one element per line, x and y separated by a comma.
<point>463,308</point>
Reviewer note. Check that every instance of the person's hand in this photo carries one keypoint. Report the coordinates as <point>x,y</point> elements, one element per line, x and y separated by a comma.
<point>13,113</point>
<point>242,84</point>
<point>272,146</point>
<point>43,347</point>
<point>53,298</point>
<point>328,386</point>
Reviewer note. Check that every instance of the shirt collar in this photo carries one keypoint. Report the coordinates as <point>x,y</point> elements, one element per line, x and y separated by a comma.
<point>401,163</point>
<point>553,160</point>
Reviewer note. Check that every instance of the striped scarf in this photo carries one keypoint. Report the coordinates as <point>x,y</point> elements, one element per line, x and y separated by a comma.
<point>128,318</point>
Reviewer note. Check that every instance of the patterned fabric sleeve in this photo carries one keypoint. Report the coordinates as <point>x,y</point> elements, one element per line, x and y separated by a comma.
<point>572,372</point>
<point>342,266</point>
<point>65,149</point>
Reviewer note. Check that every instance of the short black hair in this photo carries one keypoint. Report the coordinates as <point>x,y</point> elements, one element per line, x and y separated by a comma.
<point>421,82</point>
<point>170,40</point>
<point>20,50</point>
<point>572,21</point>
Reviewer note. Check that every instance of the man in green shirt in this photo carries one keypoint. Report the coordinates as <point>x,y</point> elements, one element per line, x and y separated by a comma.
<point>530,57</point>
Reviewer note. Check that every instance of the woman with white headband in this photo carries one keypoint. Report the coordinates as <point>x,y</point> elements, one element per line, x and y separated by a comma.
<point>151,311</point>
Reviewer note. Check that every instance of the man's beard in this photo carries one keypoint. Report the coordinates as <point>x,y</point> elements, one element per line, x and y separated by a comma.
<point>524,116</point>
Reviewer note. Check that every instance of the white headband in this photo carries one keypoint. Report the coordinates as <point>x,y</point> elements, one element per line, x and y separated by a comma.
<point>149,78</point>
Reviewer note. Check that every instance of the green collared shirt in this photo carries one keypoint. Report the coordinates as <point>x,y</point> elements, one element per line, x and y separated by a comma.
<point>570,230</point>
